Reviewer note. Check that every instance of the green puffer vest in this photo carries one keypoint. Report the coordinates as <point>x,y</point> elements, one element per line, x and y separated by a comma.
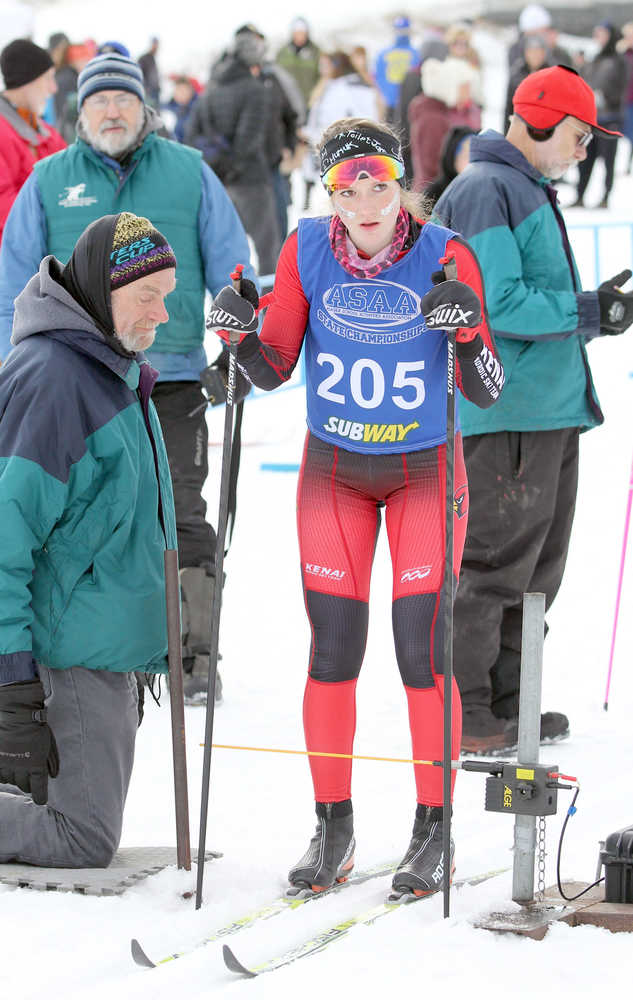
<point>164,185</point>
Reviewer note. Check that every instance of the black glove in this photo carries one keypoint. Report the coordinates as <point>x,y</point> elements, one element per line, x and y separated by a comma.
<point>616,307</point>
<point>451,304</point>
<point>234,311</point>
<point>28,751</point>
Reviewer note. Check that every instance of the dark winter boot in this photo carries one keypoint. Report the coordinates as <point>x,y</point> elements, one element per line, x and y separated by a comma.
<point>330,856</point>
<point>196,591</point>
<point>483,733</point>
<point>554,727</point>
<point>421,871</point>
<point>195,680</point>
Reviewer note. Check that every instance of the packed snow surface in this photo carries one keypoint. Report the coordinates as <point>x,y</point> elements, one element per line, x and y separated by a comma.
<point>261,814</point>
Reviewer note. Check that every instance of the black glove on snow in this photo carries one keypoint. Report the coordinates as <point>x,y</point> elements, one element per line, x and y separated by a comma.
<point>451,304</point>
<point>28,751</point>
<point>616,307</point>
<point>234,311</point>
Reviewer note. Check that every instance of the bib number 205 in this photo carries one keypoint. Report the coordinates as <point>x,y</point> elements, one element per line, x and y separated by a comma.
<point>367,382</point>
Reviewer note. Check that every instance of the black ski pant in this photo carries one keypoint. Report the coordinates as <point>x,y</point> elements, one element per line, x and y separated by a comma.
<point>257,208</point>
<point>522,498</point>
<point>181,410</point>
<point>604,149</point>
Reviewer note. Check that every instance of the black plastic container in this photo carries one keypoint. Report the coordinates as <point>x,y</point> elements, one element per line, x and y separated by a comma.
<point>617,858</point>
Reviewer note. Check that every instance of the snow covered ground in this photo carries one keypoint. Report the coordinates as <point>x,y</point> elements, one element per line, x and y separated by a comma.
<point>261,813</point>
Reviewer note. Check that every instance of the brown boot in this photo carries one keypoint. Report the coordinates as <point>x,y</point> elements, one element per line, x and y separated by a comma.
<point>483,733</point>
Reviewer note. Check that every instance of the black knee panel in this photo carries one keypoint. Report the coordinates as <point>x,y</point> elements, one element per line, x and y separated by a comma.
<point>339,636</point>
<point>413,627</point>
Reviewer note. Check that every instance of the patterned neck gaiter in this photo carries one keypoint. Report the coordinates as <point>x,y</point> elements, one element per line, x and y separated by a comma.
<point>347,254</point>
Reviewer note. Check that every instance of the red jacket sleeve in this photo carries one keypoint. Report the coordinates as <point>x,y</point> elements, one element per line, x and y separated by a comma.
<point>270,358</point>
<point>480,375</point>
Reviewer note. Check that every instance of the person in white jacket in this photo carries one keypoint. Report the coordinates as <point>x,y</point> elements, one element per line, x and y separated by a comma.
<point>340,93</point>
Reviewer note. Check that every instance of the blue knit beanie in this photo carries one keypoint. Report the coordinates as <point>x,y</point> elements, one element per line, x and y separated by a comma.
<point>110,72</point>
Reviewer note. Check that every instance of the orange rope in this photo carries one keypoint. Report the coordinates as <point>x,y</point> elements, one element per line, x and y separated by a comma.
<point>319,753</point>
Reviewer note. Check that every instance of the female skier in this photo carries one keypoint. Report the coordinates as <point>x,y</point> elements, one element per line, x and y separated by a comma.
<point>364,289</point>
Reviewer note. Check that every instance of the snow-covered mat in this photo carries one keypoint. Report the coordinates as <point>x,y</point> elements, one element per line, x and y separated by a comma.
<point>129,866</point>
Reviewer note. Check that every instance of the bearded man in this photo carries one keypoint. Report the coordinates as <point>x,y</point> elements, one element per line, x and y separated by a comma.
<point>119,163</point>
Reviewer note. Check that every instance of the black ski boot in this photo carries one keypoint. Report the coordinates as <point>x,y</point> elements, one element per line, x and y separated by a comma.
<point>330,856</point>
<point>421,871</point>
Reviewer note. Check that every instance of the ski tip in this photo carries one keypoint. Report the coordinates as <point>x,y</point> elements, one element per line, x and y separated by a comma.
<point>234,965</point>
<point>139,955</point>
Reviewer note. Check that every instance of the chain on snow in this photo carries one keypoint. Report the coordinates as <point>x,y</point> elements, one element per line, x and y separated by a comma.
<point>541,858</point>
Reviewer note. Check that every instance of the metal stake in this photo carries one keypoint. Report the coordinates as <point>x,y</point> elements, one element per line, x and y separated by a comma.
<point>529,739</point>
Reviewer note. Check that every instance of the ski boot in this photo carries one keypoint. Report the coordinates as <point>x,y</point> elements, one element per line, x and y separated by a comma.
<point>421,871</point>
<point>330,856</point>
<point>196,591</point>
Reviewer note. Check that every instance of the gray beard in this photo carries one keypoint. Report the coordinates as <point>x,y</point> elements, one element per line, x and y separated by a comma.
<point>116,147</point>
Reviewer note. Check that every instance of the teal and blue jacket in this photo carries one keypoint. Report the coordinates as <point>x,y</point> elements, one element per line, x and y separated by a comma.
<point>86,505</point>
<point>164,181</point>
<point>540,317</point>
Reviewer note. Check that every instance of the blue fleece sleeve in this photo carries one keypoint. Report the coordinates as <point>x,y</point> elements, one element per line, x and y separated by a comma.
<point>223,242</point>
<point>23,247</point>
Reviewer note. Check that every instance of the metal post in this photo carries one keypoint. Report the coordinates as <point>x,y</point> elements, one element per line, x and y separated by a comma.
<point>529,739</point>
<point>177,707</point>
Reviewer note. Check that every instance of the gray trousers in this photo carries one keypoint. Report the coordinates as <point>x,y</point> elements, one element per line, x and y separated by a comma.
<point>93,714</point>
<point>522,488</point>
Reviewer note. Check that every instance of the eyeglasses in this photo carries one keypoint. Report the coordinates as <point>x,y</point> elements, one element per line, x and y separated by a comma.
<point>100,102</point>
<point>379,168</point>
<point>582,138</point>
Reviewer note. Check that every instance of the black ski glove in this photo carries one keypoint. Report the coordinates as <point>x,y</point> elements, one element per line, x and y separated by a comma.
<point>233,310</point>
<point>452,304</point>
<point>28,751</point>
<point>616,307</point>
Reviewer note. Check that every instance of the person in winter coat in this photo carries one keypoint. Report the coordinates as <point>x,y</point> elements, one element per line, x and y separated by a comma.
<point>607,76</point>
<point>535,56</point>
<point>522,455</point>
<point>29,80</point>
<point>393,64</point>
<point>237,108</point>
<point>340,93</point>
<point>454,157</point>
<point>625,48</point>
<point>300,57</point>
<point>450,96</point>
<point>362,290</point>
<point>87,514</point>
<point>185,94</point>
<point>151,74</point>
<point>433,47</point>
<point>119,163</point>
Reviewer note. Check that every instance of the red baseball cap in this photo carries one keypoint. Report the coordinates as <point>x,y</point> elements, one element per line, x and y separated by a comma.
<point>544,98</point>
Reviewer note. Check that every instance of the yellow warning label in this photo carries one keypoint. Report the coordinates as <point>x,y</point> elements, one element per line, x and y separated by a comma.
<point>525,774</point>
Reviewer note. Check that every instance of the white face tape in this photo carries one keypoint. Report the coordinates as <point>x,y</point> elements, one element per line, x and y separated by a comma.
<point>392,204</point>
<point>344,211</point>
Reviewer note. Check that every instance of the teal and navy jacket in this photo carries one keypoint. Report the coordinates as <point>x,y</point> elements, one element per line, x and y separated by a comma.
<point>86,505</point>
<point>541,320</point>
<point>164,181</point>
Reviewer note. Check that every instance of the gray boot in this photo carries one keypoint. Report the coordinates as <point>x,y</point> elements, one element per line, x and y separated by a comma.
<point>330,856</point>
<point>196,592</point>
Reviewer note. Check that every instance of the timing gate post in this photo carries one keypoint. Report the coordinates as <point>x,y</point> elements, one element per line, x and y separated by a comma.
<point>529,739</point>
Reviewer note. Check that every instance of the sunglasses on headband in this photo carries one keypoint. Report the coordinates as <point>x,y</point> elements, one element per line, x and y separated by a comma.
<point>379,168</point>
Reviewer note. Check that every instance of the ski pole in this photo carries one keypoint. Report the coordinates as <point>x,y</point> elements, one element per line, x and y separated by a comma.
<point>450,270</point>
<point>627,521</point>
<point>177,709</point>
<point>234,337</point>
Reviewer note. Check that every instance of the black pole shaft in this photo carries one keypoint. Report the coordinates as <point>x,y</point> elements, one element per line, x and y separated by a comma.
<point>177,709</point>
<point>447,600</point>
<point>217,600</point>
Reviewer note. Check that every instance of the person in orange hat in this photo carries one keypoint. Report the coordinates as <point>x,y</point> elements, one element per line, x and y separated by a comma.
<point>522,454</point>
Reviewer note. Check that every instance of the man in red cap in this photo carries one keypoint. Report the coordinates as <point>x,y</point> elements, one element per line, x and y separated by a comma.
<point>29,79</point>
<point>522,454</point>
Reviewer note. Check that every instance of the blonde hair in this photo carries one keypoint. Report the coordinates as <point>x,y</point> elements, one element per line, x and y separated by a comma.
<point>413,202</point>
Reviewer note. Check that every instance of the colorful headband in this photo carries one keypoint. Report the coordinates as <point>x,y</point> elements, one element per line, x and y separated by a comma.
<point>353,144</point>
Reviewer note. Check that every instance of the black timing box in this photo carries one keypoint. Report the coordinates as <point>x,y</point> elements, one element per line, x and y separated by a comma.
<point>617,858</point>
<point>523,789</point>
